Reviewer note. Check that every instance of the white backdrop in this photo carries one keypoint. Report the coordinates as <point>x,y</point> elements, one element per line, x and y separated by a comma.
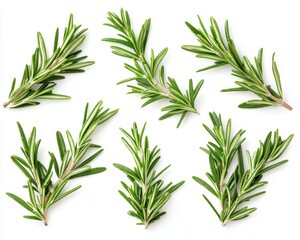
<point>97,211</point>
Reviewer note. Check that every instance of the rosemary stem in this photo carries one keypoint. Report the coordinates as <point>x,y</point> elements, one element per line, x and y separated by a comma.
<point>166,92</point>
<point>144,186</point>
<point>146,225</point>
<point>59,181</point>
<point>27,86</point>
<point>16,95</point>
<point>45,217</point>
<point>221,193</point>
<point>278,100</point>
<point>281,102</point>
<point>237,201</point>
<point>268,94</point>
<point>41,196</point>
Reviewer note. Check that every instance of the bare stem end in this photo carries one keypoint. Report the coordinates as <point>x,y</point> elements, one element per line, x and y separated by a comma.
<point>5,104</point>
<point>287,106</point>
<point>146,225</point>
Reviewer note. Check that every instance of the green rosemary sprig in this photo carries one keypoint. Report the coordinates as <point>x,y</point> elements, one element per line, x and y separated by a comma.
<point>39,78</point>
<point>149,73</point>
<point>43,189</point>
<point>147,194</point>
<point>235,188</point>
<point>222,50</point>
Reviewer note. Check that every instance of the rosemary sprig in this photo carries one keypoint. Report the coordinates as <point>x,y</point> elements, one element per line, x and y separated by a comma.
<point>39,78</point>
<point>43,190</point>
<point>234,189</point>
<point>222,50</point>
<point>147,194</point>
<point>148,73</point>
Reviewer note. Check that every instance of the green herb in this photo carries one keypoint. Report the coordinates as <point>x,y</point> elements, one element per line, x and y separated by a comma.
<point>222,50</point>
<point>149,74</point>
<point>39,78</point>
<point>43,190</point>
<point>147,194</point>
<point>235,188</point>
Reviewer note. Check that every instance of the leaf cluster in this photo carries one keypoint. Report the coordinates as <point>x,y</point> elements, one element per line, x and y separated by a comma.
<point>39,78</point>
<point>149,74</point>
<point>44,189</point>
<point>222,50</point>
<point>235,188</point>
<point>146,193</point>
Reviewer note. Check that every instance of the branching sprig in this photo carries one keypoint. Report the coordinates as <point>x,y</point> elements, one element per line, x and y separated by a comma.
<point>39,78</point>
<point>222,50</point>
<point>147,194</point>
<point>149,73</point>
<point>43,190</point>
<point>234,189</point>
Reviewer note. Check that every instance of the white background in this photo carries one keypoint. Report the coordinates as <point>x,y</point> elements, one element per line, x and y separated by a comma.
<point>97,211</point>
